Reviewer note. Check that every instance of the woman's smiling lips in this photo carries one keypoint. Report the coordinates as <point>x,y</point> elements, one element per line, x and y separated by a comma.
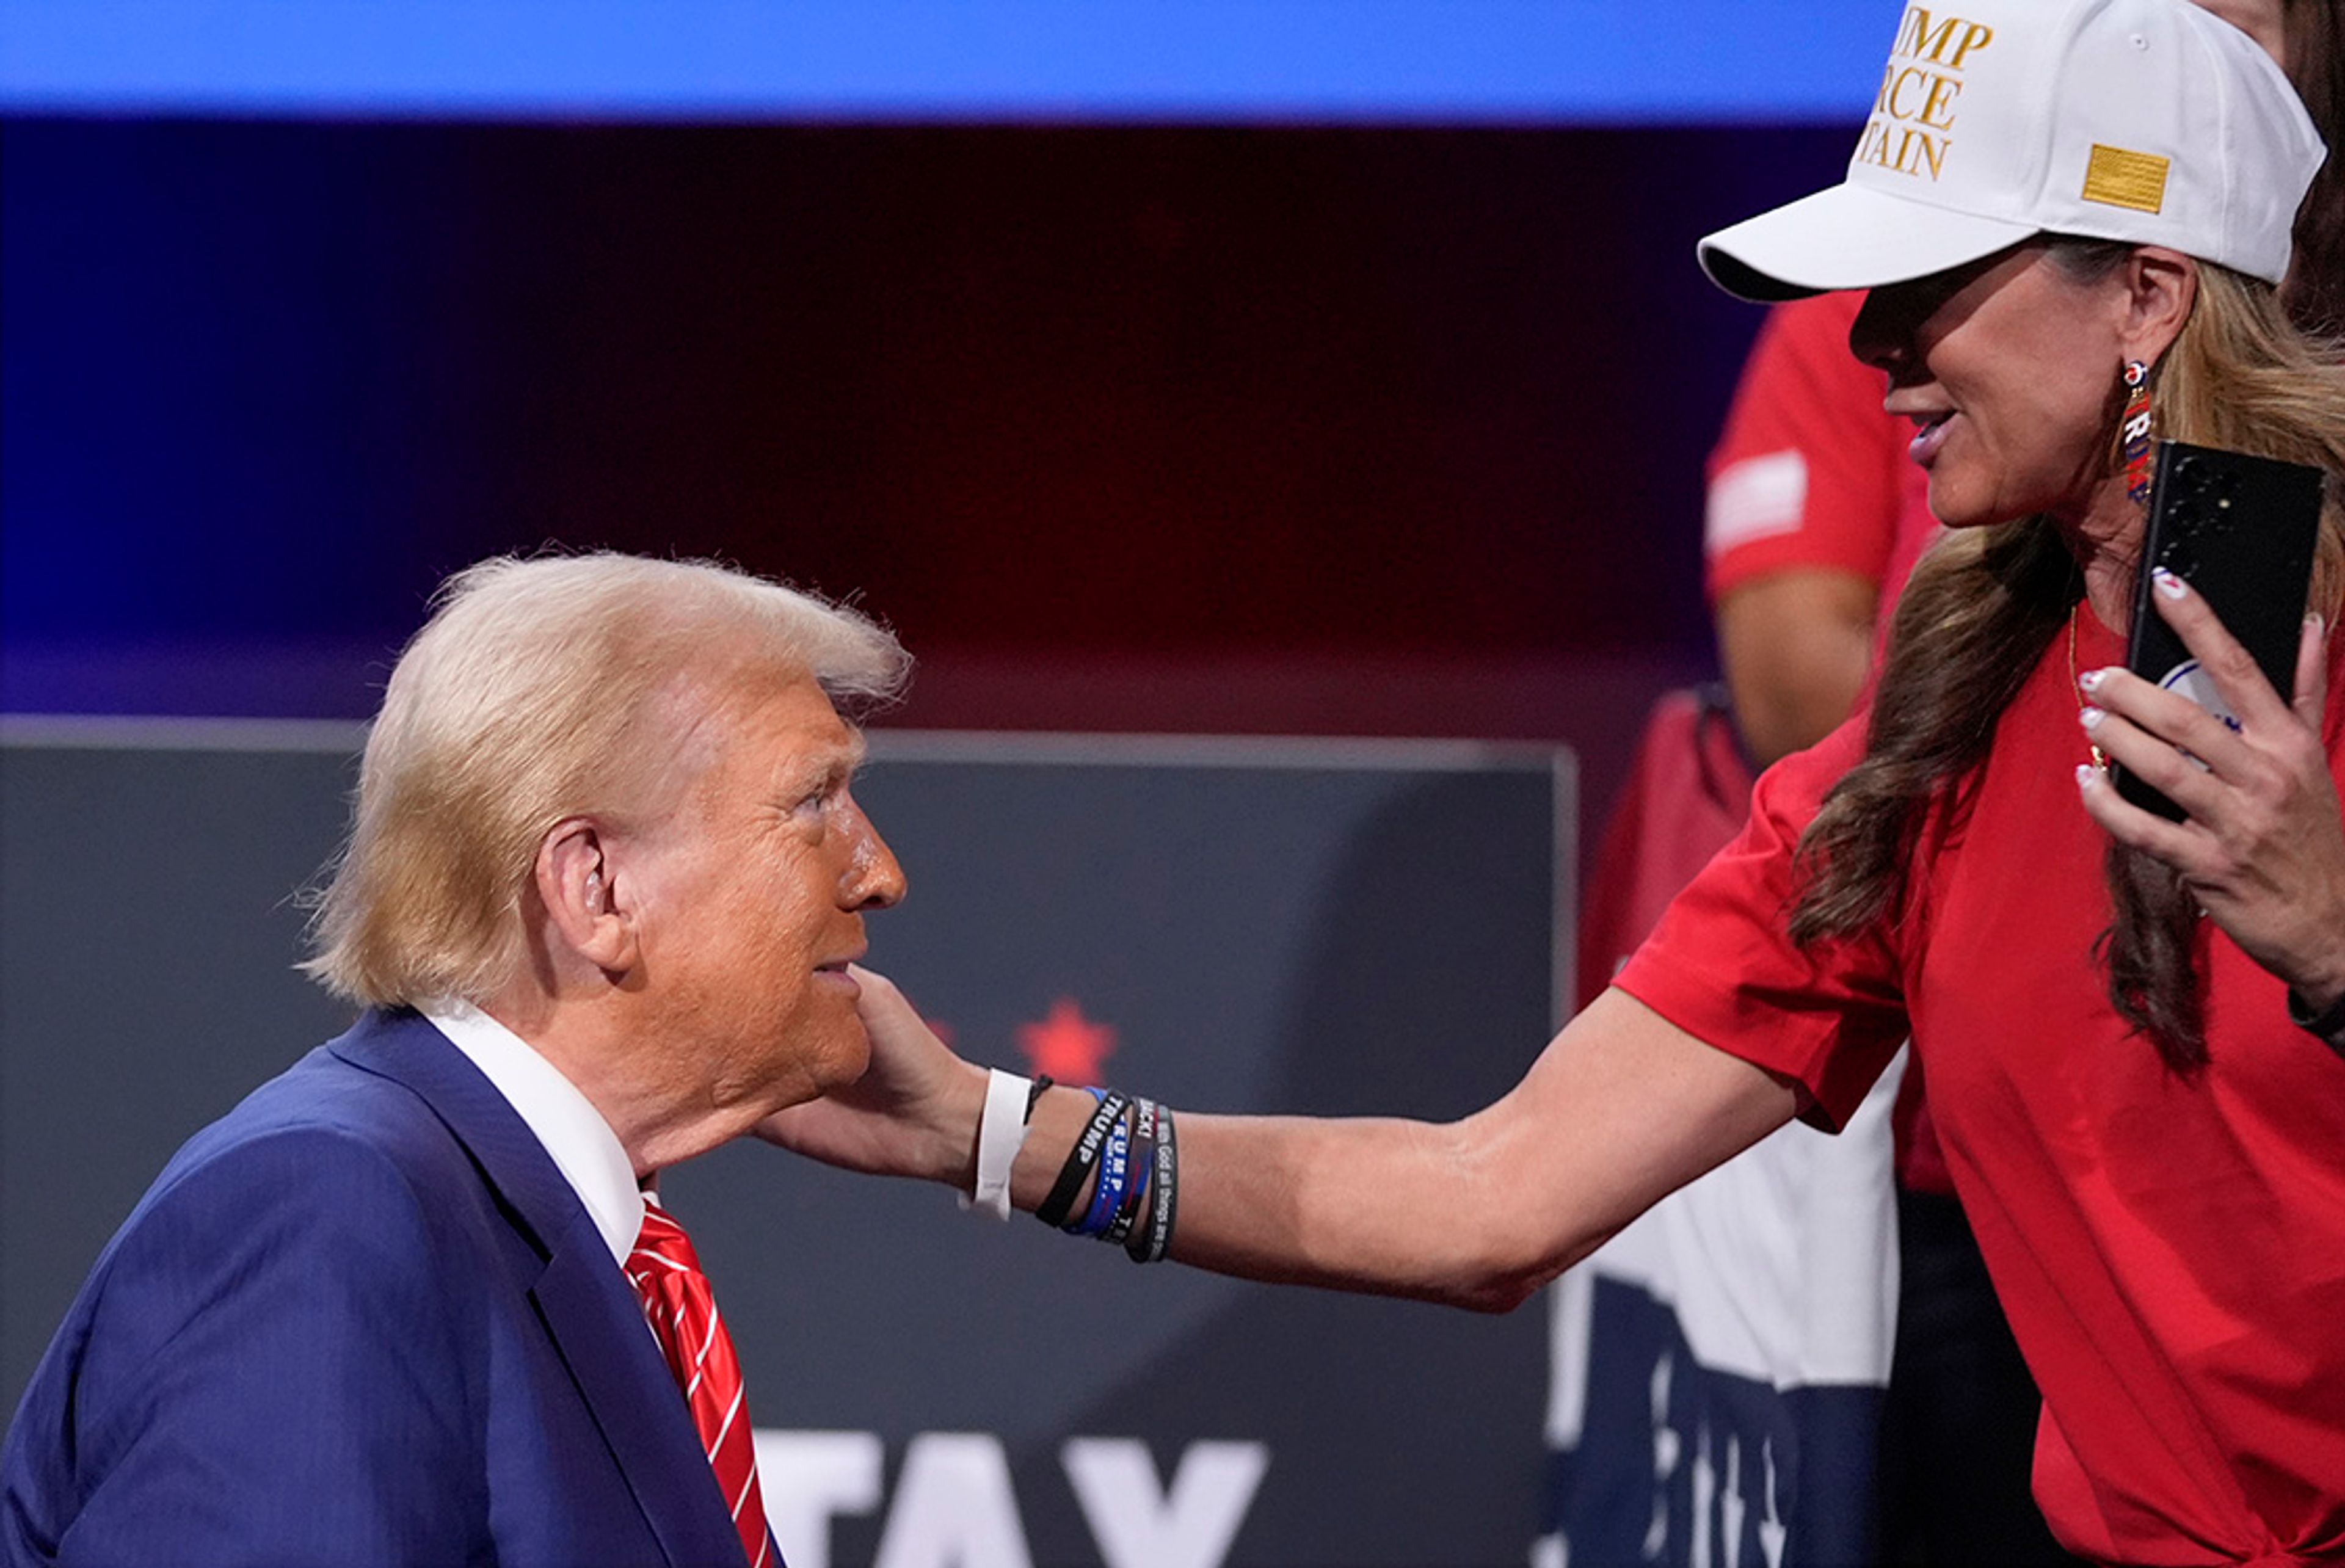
<point>1930,434</point>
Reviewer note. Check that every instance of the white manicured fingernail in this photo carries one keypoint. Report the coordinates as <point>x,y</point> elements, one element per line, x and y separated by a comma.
<point>2086,773</point>
<point>2090,717</point>
<point>2090,680</point>
<point>2173,587</point>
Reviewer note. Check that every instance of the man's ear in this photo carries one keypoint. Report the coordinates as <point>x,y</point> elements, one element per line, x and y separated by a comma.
<point>2161,287</point>
<point>580,887</point>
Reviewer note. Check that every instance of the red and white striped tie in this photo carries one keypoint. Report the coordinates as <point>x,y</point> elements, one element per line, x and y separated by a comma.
<point>682,1314</point>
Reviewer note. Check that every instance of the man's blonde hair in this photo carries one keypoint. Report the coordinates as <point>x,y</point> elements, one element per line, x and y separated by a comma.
<point>532,695</point>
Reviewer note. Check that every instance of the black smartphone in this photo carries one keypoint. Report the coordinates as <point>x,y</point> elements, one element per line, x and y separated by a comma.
<point>2239,530</point>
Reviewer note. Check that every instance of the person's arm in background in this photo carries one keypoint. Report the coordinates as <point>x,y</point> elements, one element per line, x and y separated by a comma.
<point>1811,514</point>
<point>1797,647</point>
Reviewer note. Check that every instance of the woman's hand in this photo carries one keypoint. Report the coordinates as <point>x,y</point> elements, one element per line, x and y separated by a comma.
<point>914,1111</point>
<point>2263,845</point>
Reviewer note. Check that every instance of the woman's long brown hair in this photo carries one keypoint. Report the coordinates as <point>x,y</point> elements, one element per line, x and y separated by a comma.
<point>2315,291</point>
<point>1983,608</point>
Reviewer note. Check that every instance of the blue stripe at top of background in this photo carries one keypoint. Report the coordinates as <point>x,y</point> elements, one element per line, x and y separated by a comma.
<point>1596,62</point>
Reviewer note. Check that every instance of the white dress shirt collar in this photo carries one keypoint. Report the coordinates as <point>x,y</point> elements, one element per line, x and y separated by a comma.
<point>580,1142</point>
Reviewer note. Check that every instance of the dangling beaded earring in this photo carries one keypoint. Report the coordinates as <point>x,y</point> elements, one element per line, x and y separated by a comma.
<point>2135,429</point>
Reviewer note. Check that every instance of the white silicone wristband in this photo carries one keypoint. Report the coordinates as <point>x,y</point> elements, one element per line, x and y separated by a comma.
<point>1000,1134</point>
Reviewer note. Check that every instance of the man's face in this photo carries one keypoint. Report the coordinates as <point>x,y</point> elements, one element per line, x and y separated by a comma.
<point>751,896</point>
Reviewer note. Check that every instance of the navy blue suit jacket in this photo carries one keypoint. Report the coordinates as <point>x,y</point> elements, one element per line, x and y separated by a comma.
<point>360,1319</point>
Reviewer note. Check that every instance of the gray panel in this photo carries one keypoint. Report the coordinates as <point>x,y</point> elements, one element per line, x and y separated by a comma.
<point>147,943</point>
<point>1266,926</point>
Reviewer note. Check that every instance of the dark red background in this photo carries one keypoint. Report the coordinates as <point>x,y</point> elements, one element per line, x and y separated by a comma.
<point>1321,430</point>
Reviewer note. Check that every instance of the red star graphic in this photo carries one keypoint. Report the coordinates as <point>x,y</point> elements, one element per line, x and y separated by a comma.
<point>1065,1045</point>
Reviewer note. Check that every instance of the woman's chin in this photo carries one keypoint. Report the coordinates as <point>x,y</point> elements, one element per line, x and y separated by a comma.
<point>1953,509</point>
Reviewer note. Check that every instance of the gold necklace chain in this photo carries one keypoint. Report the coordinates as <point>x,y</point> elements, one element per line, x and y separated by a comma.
<point>2100,758</point>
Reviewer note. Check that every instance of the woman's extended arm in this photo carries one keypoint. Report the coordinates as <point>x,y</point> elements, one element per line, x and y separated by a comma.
<point>1620,1108</point>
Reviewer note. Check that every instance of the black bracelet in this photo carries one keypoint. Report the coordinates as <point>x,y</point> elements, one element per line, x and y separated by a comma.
<point>1142,1168</point>
<point>1150,1239</point>
<point>1034,1092</point>
<point>1080,1160</point>
<point>2327,1025</point>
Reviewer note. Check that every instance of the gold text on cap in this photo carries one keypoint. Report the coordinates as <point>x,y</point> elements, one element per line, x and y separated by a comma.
<point>1913,116</point>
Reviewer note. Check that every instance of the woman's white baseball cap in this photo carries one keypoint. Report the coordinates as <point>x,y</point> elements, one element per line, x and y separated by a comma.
<point>2151,121</point>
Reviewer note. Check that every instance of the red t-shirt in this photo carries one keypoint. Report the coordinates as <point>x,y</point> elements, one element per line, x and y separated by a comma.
<point>1809,470</point>
<point>2171,1252</point>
